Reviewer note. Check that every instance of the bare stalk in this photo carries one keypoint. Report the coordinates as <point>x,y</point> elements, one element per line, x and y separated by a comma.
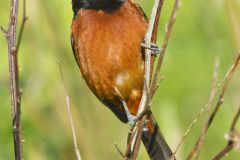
<point>76,149</point>
<point>164,46</point>
<point>149,89</point>
<point>13,46</point>
<point>135,140</point>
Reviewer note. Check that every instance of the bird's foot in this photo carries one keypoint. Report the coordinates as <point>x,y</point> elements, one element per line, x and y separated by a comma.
<point>154,48</point>
<point>131,118</point>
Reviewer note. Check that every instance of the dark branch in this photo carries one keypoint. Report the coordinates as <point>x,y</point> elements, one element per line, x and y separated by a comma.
<point>233,138</point>
<point>235,120</point>
<point>223,152</point>
<point>11,37</point>
<point>119,150</point>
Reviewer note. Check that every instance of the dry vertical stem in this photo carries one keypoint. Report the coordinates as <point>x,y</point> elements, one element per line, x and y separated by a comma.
<point>156,22</point>
<point>13,46</point>
<point>149,89</point>
<point>135,140</point>
<point>195,151</point>
<point>164,46</point>
<point>138,140</point>
<point>76,149</point>
<point>151,32</point>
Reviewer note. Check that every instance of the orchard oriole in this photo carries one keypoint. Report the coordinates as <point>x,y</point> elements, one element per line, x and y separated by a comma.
<point>106,39</point>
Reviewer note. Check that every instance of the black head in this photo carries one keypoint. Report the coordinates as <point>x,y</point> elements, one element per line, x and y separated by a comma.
<point>107,5</point>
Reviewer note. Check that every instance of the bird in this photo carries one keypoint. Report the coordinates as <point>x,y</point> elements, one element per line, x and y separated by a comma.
<point>106,38</point>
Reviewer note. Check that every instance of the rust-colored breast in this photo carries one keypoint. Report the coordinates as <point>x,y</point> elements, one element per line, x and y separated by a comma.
<point>108,51</point>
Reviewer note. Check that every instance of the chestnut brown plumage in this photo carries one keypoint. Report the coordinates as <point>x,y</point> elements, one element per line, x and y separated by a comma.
<point>106,40</point>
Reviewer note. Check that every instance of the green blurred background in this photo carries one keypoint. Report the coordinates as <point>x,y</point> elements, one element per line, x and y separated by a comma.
<point>204,30</point>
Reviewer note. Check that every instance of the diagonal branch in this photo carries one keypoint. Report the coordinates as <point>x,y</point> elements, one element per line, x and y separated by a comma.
<point>233,136</point>
<point>77,151</point>
<point>195,151</point>
<point>235,120</point>
<point>206,107</point>
<point>223,153</point>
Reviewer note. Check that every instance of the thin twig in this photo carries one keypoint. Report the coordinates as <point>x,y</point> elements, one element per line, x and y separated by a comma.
<point>164,45</point>
<point>131,136</point>
<point>138,140</point>
<point>11,36</point>
<point>24,19</point>
<point>224,152</point>
<point>156,22</point>
<point>76,149</point>
<point>227,78</point>
<point>235,119</point>
<point>233,138</point>
<point>119,151</point>
<point>206,107</point>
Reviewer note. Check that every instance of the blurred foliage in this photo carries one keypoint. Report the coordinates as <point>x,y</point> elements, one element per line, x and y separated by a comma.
<point>204,30</point>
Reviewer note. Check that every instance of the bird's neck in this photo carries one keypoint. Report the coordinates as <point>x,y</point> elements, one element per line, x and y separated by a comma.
<point>106,5</point>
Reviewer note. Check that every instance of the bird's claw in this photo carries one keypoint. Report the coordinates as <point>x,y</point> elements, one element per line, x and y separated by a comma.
<point>131,119</point>
<point>154,48</point>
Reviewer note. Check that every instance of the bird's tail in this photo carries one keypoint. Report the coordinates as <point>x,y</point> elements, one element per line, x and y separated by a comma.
<point>155,143</point>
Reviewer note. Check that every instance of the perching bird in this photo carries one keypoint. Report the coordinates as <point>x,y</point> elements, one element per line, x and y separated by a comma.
<point>106,39</point>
